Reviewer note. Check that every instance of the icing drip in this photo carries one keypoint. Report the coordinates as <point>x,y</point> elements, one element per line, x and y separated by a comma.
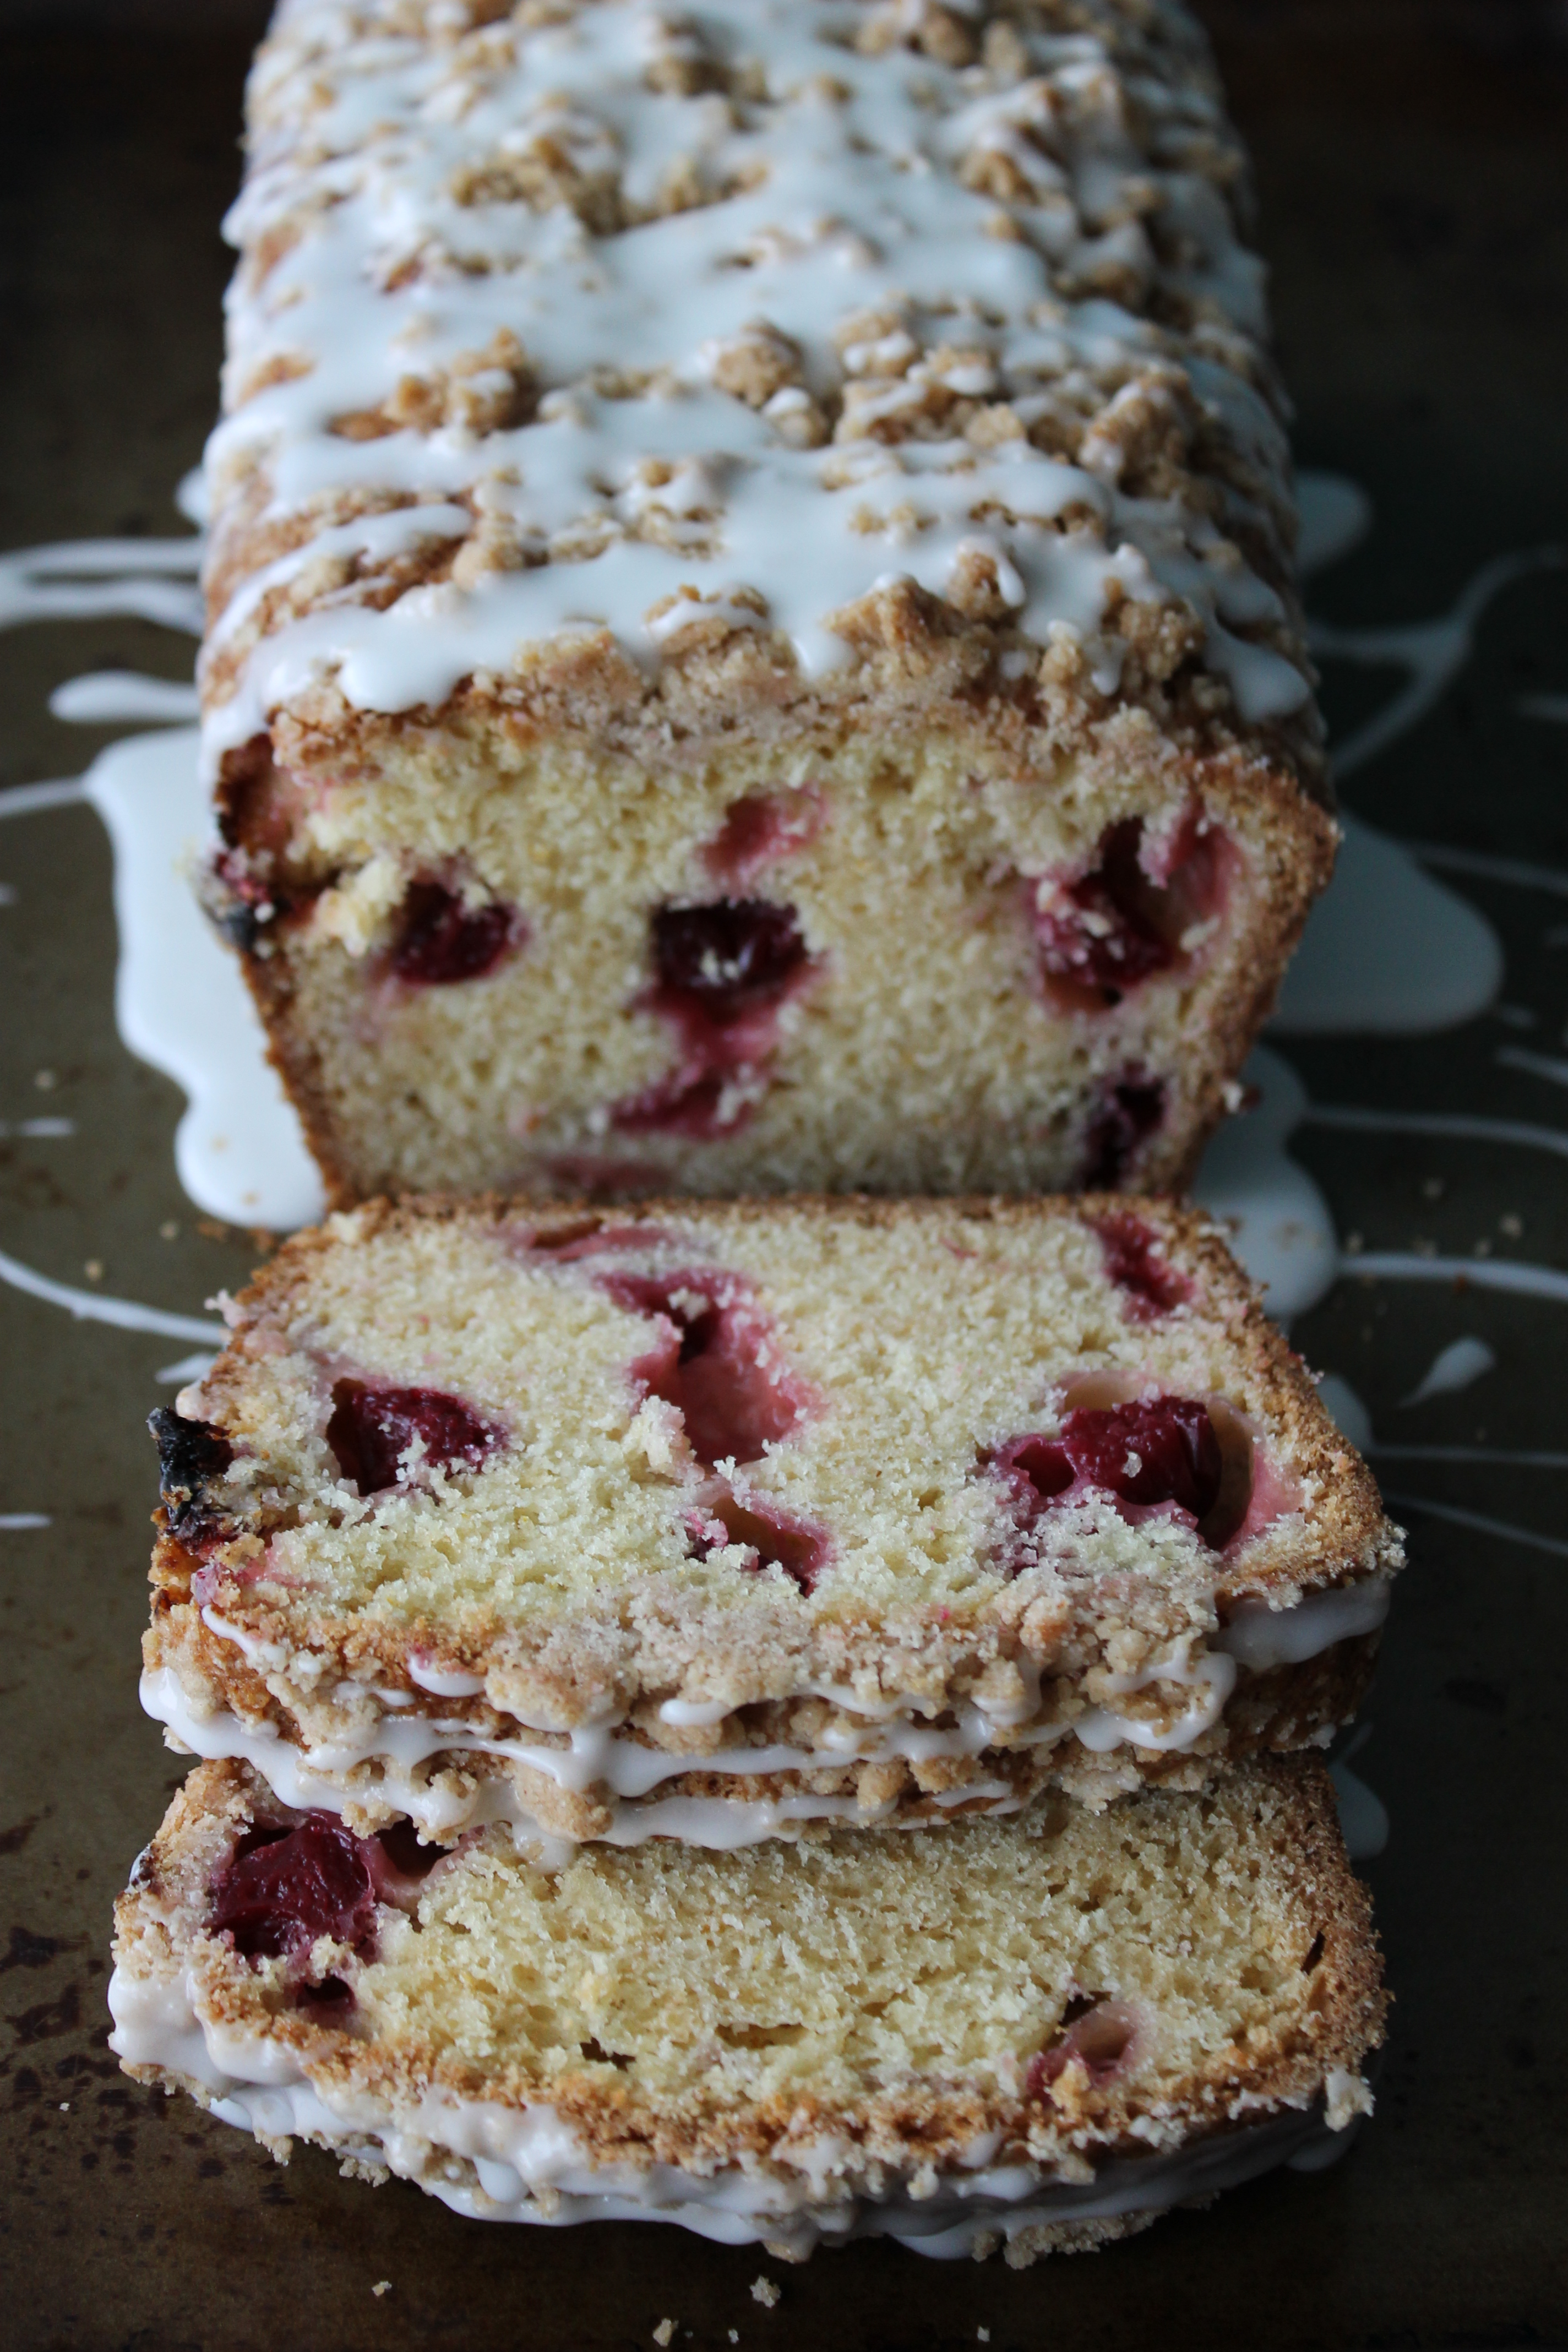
<point>624,1774</point>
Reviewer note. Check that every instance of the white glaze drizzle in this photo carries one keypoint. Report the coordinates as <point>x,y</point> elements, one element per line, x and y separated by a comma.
<point>1457,1366</point>
<point>1432,652</point>
<point>89,579</point>
<point>529,2165</point>
<point>92,1307</point>
<point>106,695</point>
<point>623,1773</point>
<point>1476,1273</point>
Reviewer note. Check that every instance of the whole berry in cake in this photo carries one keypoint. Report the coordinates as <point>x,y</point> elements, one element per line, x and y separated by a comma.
<point>440,940</point>
<point>382,1437</point>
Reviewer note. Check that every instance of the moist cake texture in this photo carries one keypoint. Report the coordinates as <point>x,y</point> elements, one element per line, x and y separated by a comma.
<point>714,1520</point>
<point>1041,2031</point>
<point>752,642</point>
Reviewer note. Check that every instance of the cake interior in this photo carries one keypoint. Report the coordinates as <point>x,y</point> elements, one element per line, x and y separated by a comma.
<point>449,1423</point>
<point>865,948</point>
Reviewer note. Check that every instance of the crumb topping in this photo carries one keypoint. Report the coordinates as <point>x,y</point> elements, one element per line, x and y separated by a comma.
<point>588,317</point>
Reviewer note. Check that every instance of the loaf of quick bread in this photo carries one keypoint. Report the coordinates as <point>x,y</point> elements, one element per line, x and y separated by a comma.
<point>752,643</point>
<point>714,1520</point>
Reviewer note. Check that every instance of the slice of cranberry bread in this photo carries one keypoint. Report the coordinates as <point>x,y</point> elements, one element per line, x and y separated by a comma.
<point>1040,2033</point>
<point>713,1520</point>
<point>753,639</point>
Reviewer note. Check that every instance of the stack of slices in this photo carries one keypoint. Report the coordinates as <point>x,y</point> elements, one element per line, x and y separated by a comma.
<point>775,1716</point>
<point>753,653</point>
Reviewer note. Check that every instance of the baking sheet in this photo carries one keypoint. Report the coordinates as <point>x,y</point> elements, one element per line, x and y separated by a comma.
<point>1410,167</point>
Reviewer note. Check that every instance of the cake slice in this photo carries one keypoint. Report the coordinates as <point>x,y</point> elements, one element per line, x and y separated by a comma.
<point>753,638</point>
<point>1041,2031</point>
<point>712,1520</point>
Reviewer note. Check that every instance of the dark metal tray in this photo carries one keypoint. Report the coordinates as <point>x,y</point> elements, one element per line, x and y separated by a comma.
<point>1411,164</point>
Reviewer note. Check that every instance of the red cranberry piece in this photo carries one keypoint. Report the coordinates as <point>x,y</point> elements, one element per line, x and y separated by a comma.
<point>1129,1112</point>
<point>707,1365</point>
<point>440,940</point>
<point>1134,1265</point>
<point>777,1538</point>
<point>722,973</point>
<point>1036,1469</point>
<point>760,829</point>
<point>1161,1450</point>
<point>1102,934</point>
<point>1155,1451</point>
<point>1100,2033</point>
<point>372,1428</point>
<point>285,1887</point>
<point>729,957</point>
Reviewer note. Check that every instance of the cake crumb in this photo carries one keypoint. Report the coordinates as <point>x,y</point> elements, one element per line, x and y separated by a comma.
<point>382,2286</point>
<point>93,1269</point>
<point>64,2106</point>
<point>765,2292</point>
<point>734,2335</point>
<point>664,2331</point>
<point>169,1230</point>
<point>44,1081</point>
<point>983,2335</point>
<point>1513,1227</point>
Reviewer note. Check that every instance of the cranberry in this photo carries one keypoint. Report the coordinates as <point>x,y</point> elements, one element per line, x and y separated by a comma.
<point>440,940</point>
<point>727,957</point>
<point>760,829</point>
<point>1101,934</point>
<point>706,1364</point>
<point>1100,2033</point>
<point>192,1454</point>
<point>1155,1451</point>
<point>1133,1263</point>
<point>1104,933</point>
<point>283,1888</point>
<point>1036,1469</point>
<point>777,1537</point>
<point>1129,1112</point>
<point>722,973</point>
<point>372,1428</point>
<point>1163,1450</point>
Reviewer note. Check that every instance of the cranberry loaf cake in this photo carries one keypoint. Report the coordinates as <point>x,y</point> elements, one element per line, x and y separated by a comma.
<point>712,1520</point>
<point>1040,2033</point>
<point>752,642</point>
